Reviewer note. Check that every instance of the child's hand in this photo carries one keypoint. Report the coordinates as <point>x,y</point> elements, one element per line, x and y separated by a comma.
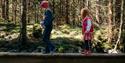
<point>86,31</point>
<point>42,24</point>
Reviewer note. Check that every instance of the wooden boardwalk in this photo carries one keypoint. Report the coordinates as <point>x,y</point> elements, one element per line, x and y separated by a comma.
<point>6,57</point>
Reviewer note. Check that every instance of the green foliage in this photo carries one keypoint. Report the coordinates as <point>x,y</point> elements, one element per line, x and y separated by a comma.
<point>16,30</point>
<point>66,38</point>
<point>123,34</point>
<point>37,31</point>
<point>37,1</point>
<point>36,26</point>
<point>60,49</point>
<point>101,36</point>
<point>107,45</point>
<point>66,31</point>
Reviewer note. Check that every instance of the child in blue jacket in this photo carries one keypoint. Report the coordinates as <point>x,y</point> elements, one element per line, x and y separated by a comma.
<point>47,25</point>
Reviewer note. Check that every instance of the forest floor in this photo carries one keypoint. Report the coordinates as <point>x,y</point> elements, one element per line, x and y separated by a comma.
<point>65,38</point>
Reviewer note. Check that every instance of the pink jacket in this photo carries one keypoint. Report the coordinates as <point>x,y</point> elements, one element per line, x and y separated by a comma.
<point>87,27</point>
<point>85,24</point>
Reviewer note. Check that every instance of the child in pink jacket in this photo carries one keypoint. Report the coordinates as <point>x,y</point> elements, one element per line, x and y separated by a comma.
<point>87,30</point>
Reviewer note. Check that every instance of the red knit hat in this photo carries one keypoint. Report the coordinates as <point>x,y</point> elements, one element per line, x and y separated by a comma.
<point>44,4</point>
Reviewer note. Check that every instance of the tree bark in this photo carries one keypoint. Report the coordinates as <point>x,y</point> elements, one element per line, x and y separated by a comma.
<point>110,21</point>
<point>7,11</point>
<point>23,33</point>
<point>118,12</point>
<point>0,9</point>
<point>87,3</point>
<point>53,6</point>
<point>67,12</point>
<point>15,11</point>
<point>121,23</point>
<point>3,9</point>
<point>97,10</point>
<point>114,11</point>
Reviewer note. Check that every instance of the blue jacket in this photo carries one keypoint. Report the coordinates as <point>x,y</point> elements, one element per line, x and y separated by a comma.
<point>48,18</point>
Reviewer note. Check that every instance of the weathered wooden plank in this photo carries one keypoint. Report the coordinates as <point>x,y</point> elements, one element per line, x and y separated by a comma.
<point>6,57</point>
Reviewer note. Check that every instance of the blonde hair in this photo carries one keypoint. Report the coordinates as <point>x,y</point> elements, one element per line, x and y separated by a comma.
<point>84,12</point>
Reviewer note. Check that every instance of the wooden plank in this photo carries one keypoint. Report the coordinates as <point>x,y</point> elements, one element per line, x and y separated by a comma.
<point>7,57</point>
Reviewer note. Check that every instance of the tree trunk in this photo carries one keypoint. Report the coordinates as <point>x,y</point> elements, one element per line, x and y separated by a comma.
<point>97,10</point>
<point>110,21</point>
<point>123,30</point>
<point>20,10</point>
<point>23,33</point>
<point>0,9</point>
<point>28,12</point>
<point>118,12</point>
<point>67,13</point>
<point>53,6</point>
<point>3,9</point>
<point>83,5</point>
<point>7,11</point>
<point>87,3</point>
<point>121,23</point>
<point>12,19</point>
<point>114,13</point>
<point>15,11</point>
<point>35,16</point>
<point>73,14</point>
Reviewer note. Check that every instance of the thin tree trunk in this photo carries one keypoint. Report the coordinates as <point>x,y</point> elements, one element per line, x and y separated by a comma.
<point>20,10</point>
<point>123,30</point>
<point>7,11</point>
<point>67,13</point>
<point>114,14</point>
<point>60,9</point>
<point>73,14</point>
<point>83,3</point>
<point>3,9</point>
<point>23,33</point>
<point>0,9</point>
<point>15,14</point>
<point>118,12</point>
<point>53,6</point>
<point>120,28</point>
<point>28,16</point>
<point>110,21</point>
<point>37,13</point>
<point>12,11</point>
<point>87,3</point>
<point>97,10</point>
<point>114,20</point>
<point>35,16</point>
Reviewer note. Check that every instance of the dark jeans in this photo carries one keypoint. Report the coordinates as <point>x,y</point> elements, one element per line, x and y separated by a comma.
<point>87,45</point>
<point>46,39</point>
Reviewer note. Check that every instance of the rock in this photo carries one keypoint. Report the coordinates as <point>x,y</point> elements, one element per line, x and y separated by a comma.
<point>112,51</point>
